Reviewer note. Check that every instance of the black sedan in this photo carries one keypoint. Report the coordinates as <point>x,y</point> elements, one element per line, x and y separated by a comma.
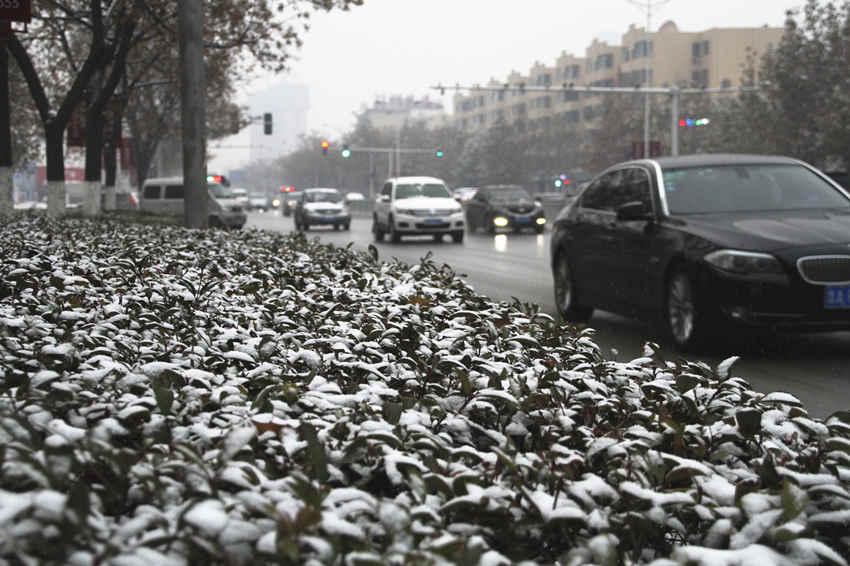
<point>504,206</point>
<point>703,243</point>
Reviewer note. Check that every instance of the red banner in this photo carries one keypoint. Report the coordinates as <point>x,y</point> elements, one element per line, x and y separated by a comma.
<point>72,174</point>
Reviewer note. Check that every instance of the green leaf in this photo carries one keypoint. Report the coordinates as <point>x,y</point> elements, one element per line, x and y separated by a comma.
<point>392,412</point>
<point>749,422</point>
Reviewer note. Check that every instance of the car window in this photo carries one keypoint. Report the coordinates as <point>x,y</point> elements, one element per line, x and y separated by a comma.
<point>174,191</point>
<point>432,190</point>
<point>220,191</point>
<point>508,194</point>
<point>636,188</point>
<point>387,190</point>
<point>152,191</point>
<point>748,188</point>
<point>602,194</point>
<point>322,196</point>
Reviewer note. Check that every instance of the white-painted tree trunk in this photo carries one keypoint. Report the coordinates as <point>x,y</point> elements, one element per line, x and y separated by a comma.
<point>55,198</point>
<point>109,198</point>
<point>91,206</point>
<point>6,198</point>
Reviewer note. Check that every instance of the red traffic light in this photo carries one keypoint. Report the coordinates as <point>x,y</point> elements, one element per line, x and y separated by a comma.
<point>287,189</point>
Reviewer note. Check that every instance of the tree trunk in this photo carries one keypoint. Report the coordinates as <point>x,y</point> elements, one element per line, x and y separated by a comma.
<point>6,196</point>
<point>111,160</point>
<point>193,100</point>
<point>94,148</point>
<point>55,148</point>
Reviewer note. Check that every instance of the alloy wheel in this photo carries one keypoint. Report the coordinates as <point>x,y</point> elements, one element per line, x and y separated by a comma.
<point>681,309</point>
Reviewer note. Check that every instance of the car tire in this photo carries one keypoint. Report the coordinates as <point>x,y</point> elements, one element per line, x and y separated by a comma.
<point>346,227</point>
<point>395,237</point>
<point>566,295</point>
<point>377,231</point>
<point>457,237</point>
<point>686,320</point>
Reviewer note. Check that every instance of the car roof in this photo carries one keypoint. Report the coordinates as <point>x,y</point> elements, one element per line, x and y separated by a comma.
<point>420,180</point>
<point>500,187</point>
<point>319,189</point>
<point>714,159</point>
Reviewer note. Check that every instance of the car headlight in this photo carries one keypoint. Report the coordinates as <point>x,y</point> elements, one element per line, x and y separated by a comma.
<point>500,221</point>
<point>276,203</point>
<point>750,263</point>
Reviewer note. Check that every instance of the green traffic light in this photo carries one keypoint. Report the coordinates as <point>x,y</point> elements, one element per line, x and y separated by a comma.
<point>346,153</point>
<point>440,154</point>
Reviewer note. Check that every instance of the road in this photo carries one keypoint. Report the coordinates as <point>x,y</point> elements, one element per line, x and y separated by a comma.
<point>813,367</point>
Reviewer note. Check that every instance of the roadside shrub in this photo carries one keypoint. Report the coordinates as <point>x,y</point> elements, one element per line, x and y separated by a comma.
<point>172,396</point>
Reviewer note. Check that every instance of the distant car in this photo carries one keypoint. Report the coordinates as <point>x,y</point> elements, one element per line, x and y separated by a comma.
<point>164,195</point>
<point>241,196</point>
<point>705,243</point>
<point>289,201</point>
<point>464,194</point>
<point>354,197</point>
<point>321,207</point>
<point>504,207</point>
<point>258,202</point>
<point>417,206</point>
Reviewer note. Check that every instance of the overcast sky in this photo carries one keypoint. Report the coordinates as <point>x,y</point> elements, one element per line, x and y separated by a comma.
<point>404,46</point>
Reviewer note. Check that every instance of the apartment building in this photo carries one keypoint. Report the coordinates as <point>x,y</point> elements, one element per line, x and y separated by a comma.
<point>390,114</point>
<point>712,58</point>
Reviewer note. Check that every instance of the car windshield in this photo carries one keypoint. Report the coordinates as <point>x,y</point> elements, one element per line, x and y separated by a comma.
<point>433,190</point>
<point>220,191</point>
<point>748,188</point>
<point>508,194</point>
<point>322,196</point>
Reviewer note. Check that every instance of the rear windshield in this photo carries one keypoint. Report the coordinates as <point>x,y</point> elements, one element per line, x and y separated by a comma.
<point>748,188</point>
<point>220,191</point>
<point>435,190</point>
<point>322,196</point>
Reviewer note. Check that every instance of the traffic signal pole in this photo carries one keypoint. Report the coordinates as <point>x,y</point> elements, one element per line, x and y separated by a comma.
<point>675,94</point>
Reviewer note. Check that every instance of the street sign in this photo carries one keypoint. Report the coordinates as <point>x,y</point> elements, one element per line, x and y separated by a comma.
<point>16,10</point>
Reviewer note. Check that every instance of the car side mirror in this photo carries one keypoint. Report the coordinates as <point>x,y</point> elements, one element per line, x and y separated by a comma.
<point>633,211</point>
<point>383,198</point>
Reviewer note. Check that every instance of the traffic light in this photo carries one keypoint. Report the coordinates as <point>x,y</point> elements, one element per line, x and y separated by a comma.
<point>694,122</point>
<point>267,123</point>
<point>439,154</point>
<point>346,152</point>
<point>326,145</point>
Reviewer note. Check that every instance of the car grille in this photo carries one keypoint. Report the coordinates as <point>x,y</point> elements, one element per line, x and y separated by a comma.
<point>440,226</point>
<point>236,208</point>
<point>825,270</point>
<point>326,211</point>
<point>433,212</point>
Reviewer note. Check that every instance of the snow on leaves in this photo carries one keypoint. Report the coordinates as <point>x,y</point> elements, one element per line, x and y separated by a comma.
<point>169,396</point>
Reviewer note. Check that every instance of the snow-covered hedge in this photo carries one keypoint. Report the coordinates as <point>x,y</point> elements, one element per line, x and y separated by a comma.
<point>169,396</point>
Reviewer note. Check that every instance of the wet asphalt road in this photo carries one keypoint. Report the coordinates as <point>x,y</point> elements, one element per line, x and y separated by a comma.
<point>814,367</point>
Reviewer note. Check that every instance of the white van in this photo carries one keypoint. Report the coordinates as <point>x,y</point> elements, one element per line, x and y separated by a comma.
<point>164,195</point>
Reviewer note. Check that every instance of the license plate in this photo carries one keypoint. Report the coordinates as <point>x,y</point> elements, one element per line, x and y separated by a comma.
<point>837,298</point>
<point>433,221</point>
<point>523,219</point>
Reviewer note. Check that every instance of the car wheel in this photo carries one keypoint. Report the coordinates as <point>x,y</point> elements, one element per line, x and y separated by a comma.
<point>457,237</point>
<point>376,229</point>
<point>395,237</point>
<point>686,322</point>
<point>346,227</point>
<point>566,296</point>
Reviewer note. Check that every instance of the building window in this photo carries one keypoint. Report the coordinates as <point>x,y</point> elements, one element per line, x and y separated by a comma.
<point>589,112</point>
<point>726,83</point>
<point>642,48</point>
<point>700,78</point>
<point>544,80</point>
<point>700,49</point>
<point>569,96</point>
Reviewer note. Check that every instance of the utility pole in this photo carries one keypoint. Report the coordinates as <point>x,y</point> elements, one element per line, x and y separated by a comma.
<point>190,22</point>
<point>648,6</point>
<point>6,196</point>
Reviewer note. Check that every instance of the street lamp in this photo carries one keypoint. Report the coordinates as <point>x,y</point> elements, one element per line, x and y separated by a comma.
<point>648,6</point>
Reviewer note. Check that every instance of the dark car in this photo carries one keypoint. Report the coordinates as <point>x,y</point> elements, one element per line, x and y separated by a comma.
<point>702,243</point>
<point>504,206</point>
<point>321,207</point>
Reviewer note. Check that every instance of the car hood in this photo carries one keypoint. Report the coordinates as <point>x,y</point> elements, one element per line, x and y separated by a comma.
<point>427,203</point>
<point>227,202</point>
<point>772,231</point>
<point>311,206</point>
